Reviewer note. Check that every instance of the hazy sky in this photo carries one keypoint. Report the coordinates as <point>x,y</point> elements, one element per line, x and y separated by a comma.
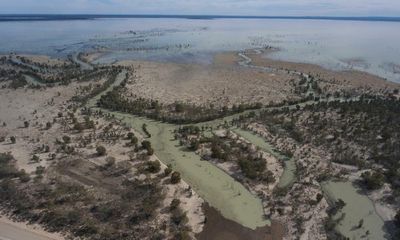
<point>225,7</point>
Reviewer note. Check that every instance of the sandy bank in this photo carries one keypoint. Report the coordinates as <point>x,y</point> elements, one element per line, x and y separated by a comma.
<point>10,230</point>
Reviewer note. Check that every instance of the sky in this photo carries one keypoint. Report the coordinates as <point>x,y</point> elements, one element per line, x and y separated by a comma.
<point>207,7</point>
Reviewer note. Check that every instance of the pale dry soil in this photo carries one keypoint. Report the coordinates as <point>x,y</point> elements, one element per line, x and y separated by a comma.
<point>41,106</point>
<point>216,84</point>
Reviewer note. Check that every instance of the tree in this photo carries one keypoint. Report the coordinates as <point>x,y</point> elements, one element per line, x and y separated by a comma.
<point>397,218</point>
<point>146,144</point>
<point>35,158</point>
<point>130,135</point>
<point>150,151</point>
<point>26,124</point>
<point>167,171</point>
<point>174,204</point>
<point>78,126</point>
<point>175,177</point>
<point>66,139</point>
<point>13,139</point>
<point>153,166</point>
<point>374,180</point>
<point>101,151</point>
<point>134,140</point>
<point>179,107</point>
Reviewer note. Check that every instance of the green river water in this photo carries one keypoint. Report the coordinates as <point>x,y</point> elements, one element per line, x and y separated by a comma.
<point>230,197</point>
<point>215,186</point>
<point>289,173</point>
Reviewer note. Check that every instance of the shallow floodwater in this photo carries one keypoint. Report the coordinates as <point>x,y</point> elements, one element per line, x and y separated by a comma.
<point>363,45</point>
<point>358,206</point>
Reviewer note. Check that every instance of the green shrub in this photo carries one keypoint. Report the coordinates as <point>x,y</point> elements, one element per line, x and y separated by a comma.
<point>153,166</point>
<point>374,180</point>
<point>174,204</point>
<point>175,177</point>
<point>167,171</point>
<point>101,151</point>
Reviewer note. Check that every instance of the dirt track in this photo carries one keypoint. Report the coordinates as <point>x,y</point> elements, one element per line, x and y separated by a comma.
<point>19,231</point>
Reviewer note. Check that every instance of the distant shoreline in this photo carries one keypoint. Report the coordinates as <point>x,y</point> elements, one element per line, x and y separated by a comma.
<point>65,17</point>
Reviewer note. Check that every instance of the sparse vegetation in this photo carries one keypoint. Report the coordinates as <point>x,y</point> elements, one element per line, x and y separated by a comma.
<point>101,150</point>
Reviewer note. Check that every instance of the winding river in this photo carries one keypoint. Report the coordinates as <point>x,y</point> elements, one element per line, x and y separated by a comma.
<point>230,197</point>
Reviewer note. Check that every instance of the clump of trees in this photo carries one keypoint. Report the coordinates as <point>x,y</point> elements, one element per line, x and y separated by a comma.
<point>177,113</point>
<point>252,168</point>
<point>373,179</point>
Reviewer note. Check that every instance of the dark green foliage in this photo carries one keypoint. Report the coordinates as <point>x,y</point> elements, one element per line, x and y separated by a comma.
<point>167,171</point>
<point>175,177</point>
<point>360,133</point>
<point>134,140</point>
<point>153,166</point>
<point>179,217</point>
<point>397,219</point>
<point>130,135</point>
<point>373,180</point>
<point>252,168</point>
<point>147,145</point>
<point>178,113</point>
<point>174,204</point>
<point>144,128</point>
<point>66,139</point>
<point>101,150</point>
<point>18,82</point>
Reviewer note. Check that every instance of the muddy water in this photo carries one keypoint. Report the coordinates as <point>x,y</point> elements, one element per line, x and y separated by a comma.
<point>289,173</point>
<point>219,228</point>
<point>358,206</point>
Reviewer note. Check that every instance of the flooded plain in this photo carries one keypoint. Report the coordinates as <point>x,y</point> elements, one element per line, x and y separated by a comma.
<point>361,45</point>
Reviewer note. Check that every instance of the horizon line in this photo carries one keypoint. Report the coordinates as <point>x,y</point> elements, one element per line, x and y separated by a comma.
<point>83,16</point>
